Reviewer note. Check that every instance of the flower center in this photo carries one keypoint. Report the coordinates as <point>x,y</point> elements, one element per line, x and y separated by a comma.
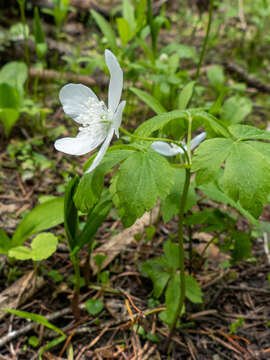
<point>96,119</point>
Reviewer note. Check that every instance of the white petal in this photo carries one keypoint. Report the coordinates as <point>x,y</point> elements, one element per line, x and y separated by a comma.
<point>102,151</point>
<point>80,145</point>
<point>117,118</point>
<point>116,81</point>
<point>74,98</point>
<point>165,149</point>
<point>197,140</point>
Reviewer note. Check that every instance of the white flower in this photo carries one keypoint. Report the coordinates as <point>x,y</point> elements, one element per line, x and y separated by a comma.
<point>171,149</point>
<point>98,123</point>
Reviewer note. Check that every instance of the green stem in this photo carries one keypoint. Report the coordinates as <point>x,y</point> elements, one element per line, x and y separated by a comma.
<point>76,289</point>
<point>205,40</point>
<point>181,257</point>
<point>152,139</point>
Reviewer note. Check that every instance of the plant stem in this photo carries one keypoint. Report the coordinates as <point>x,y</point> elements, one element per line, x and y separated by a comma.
<point>152,29</point>
<point>76,290</point>
<point>181,257</point>
<point>205,40</point>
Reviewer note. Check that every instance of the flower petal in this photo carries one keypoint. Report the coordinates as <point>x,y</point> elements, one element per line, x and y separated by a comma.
<point>116,81</point>
<point>197,140</point>
<point>80,145</point>
<point>101,151</point>
<point>74,98</point>
<point>165,149</point>
<point>117,118</point>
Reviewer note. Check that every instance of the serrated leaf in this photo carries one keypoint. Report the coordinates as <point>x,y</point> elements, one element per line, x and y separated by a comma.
<point>209,157</point>
<point>106,29</point>
<point>247,132</point>
<point>91,185</point>
<point>140,181</point>
<point>170,205</point>
<point>151,101</point>
<point>193,290</point>
<point>186,95</point>
<point>247,177</point>
<point>42,217</point>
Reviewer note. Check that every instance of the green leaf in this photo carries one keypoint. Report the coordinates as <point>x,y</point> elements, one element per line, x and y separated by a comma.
<point>215,193</point>
<point>209,157</point>
<point>36,318</point>
<point>71,220</point>
<point>4,242</point>
<point>95,219</point>
<point>193,290</point>
<point>106,29</point>
<point>91,185</point>
<point>42,217</point>
<point>247,177</point>
<point>242,246</point>
<point>123,30</point>
<point>216,77</point>
<point>9,97</point>
<point>246,132</point>
<point>94,306</point>
<point>236,109</point>
<point>170,205</point>
<point>171,254</point>
<point>172,296</point>
<point>14,74</point>
<point>152,102</point>
<point>9,118</point>
<point>38,31</point>
<point>43,246</point>
<point>128,15</point>
<point>186,95</point>
<point>159,277</point>
<point>139,182</point>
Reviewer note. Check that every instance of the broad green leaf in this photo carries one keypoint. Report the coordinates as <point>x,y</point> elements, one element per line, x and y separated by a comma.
<point>158,276</point>
<point>140,10</point>
<point>43,246</point>
<point>216,77</point>
<point>215,193</point>
<point>140,181</point>
<point>246,132</point>
<point>242,246</point>
<point>209,157</point>
<point>123,30</point>
<point>150,100</point>
<point>95,219</point>
<point>42,217</point>
<point>247,177</point>
<point>236,109</point>
<point>170,205</point>
<point>186,95</point>
<point>4,242</point>
<point>184,51</point>
<point>9,118</point>
<point>128,15</point>
<point>36,318</point>
<point>106,29</point>
<point>14,74</point>
<point>94,306</point>
<point>193,290</point>
<point>91,185</point>
<point>9,97</point>
<point>171,254</point>
<point>71,220</point>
